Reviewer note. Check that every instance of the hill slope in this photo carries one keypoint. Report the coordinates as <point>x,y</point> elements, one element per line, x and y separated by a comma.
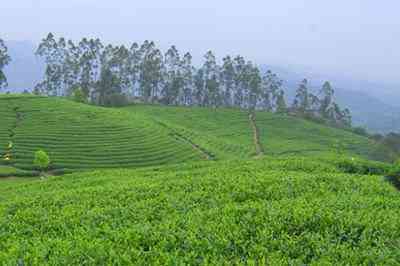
<point>277,212</point>
<point>78,136</point>
<point>228,133</point>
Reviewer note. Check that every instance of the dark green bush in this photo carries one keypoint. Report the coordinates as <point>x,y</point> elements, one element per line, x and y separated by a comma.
<point>364,167</point>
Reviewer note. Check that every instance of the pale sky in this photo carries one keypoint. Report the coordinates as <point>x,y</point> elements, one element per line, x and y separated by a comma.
<point>359,38</point>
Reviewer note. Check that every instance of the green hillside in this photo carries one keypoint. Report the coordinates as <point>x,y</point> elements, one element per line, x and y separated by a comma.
<point>271,211</point>
<point>78,136</point>
<point>228,133</point>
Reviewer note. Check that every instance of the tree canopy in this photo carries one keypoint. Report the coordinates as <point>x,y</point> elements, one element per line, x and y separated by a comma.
<point>111,75</point>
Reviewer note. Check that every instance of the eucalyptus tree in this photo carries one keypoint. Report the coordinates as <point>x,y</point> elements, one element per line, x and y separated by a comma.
<point>254,86</point>
<point>172,76</point>
<point>301,103</point>
<point>346,118</point>
<point>150,71</point>
<point>133,65</point>
<point>187,71</point>
<point>199,87</point>
<point>211,79</point>
<point>327,104</point>
<point>119,64</point>
<point>4,61</point>
<point>239,65</point>
<point>49,50</point>
<point>228,81</point>
<point>90,64</point>
<point>271,88</point>
<point>281,107</point>
<point>72,69</point>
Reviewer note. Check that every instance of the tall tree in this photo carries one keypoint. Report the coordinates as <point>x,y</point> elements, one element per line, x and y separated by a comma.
<point>271,87</point>
<point>240,81</point>
<point>211,75</point>
<point>281,107</point>
<point>327,103</point>
<point>4,61</point>
<point>227,81</point>
<point>199,88</point>
<point>90,64</point>
<point>301,103</point>
<point>150,71</point>
<point>187,70</point>
<point>172,76</point>
<point>49,50</point>
<point>134,61</point>
<point>255,82</point>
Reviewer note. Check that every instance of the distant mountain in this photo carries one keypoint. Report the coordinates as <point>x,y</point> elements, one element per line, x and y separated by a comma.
<point>372,105</point>
<point>25,69</point>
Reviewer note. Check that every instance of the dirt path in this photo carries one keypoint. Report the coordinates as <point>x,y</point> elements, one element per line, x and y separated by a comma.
<point>18,118</point>
<point>205,154</point>
<point>256,135</point>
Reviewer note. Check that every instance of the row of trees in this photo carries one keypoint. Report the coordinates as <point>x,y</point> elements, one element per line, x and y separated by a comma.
<point>4,61</point>
<point>111,75</point>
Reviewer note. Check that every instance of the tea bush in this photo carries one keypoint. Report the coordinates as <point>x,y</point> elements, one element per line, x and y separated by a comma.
<point>225,213</point>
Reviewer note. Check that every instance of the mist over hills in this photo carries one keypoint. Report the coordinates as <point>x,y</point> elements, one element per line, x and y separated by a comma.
<point>373,105</point>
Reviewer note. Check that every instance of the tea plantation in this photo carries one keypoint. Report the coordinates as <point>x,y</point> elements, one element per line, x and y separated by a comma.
<point>188,187</point>
<point>78,136</point>
<point>274,212</point>
<point>227,132</point>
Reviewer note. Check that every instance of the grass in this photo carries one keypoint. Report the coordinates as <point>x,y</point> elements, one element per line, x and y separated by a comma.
<point>273,211</point>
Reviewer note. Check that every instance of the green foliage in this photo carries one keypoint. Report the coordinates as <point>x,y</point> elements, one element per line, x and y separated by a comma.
<point>396,168</point>
<point>110,75</point>
<point>222,213</point>
<point>363,167</point>
<point>41,160</point>
<point>4,61</point>
<point>79,96</point>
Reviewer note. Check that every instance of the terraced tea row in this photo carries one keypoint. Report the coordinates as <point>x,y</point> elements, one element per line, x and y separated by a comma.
<point>225,133</point>
<point>228,133</point>
<point>283,134</point>
<point>78,136</point>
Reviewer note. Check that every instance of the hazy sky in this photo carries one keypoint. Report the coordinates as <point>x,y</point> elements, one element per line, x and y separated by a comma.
<point>352,37</point>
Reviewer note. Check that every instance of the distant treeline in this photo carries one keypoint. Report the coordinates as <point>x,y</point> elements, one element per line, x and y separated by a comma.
<point>109,75</point>
<point>4,60</point>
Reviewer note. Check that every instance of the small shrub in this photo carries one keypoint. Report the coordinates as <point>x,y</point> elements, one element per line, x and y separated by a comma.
<point>42,160</point>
